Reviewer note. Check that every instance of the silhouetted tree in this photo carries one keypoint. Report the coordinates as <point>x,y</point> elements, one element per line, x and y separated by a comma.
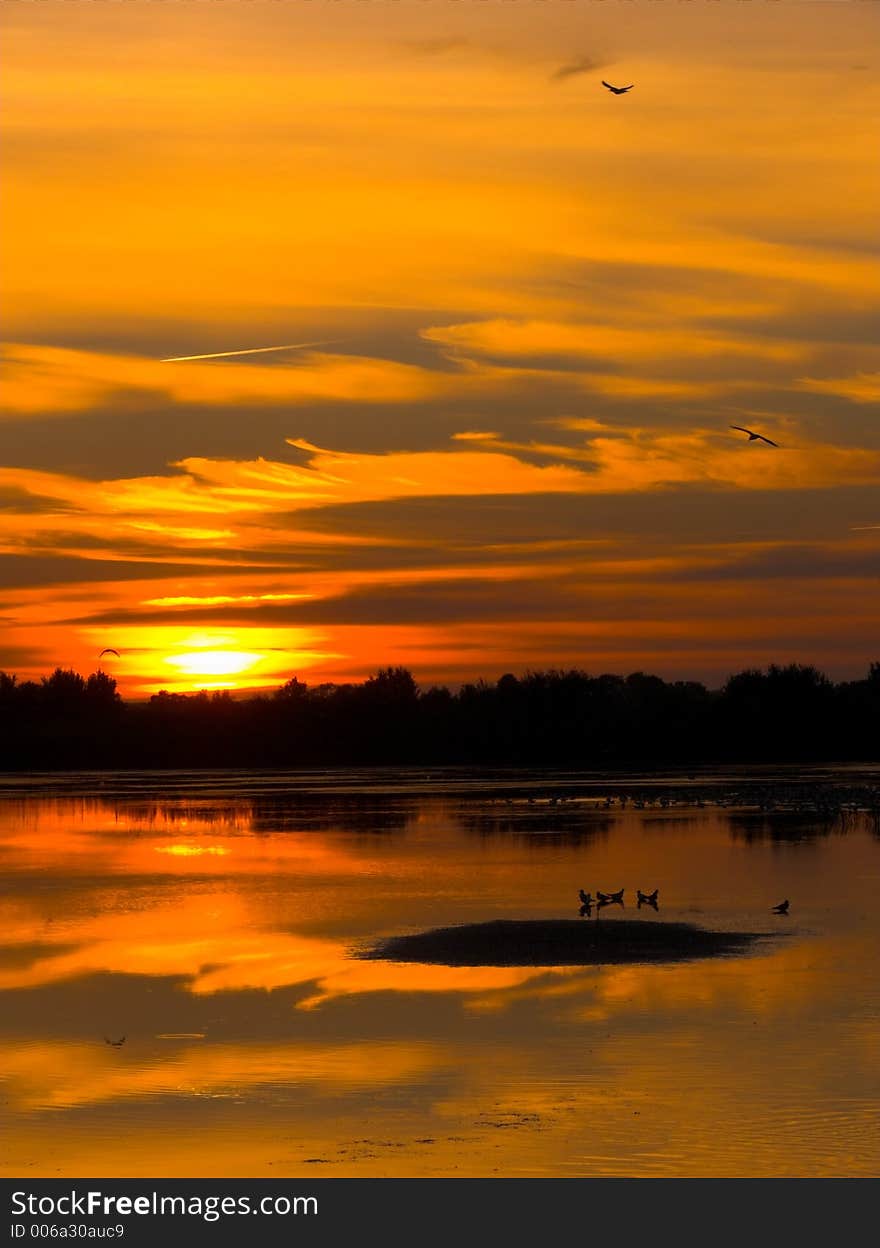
<point>541,718</point>
<point>781,713</point>
<point>100,689</point>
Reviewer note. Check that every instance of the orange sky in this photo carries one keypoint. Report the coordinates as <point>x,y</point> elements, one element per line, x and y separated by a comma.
<point>546,305</point>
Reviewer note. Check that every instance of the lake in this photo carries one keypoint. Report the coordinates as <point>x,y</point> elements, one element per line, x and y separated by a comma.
<point>214,920</point>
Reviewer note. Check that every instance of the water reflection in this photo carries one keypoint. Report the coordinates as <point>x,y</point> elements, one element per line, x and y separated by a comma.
<point>215,931</point>
<point>794,827</point>
<point>570,826</point>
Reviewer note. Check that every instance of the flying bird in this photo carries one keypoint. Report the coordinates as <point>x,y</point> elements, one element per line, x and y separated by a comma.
<point>109,650</point>
<point>116,1044</point>
<point>220,355</point>
<point>782,908</point>
<point>754,437</point>
<point>618,90</point>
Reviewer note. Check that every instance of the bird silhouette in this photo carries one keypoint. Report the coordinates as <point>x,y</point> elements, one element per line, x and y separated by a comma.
<point>618,90</point>
<point>754,437</point>
<point>116,1044</point>
<point>109,650</point>
<point>782,908</point>
<point>605,898</point>
<point>650,898</point>
<point>586,898</point>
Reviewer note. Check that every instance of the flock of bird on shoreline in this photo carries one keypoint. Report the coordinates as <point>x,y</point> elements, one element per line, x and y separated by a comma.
<point>753,799</point>
<point>601,900</point>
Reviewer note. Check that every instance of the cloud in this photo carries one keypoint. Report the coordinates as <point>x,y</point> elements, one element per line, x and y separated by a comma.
<point>14,658</point>
<point>204,505</point>
<point>862,388</point>
<point>438,46</point>
<point>41,379</point>
<point>571,69</point>
<point>599,582</point>
<point>451,561</point>
<point>618,460</point>
<point>515,339</point>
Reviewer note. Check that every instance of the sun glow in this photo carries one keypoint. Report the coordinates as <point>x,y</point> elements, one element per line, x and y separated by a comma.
<point>191,851</point>
<point>214,662</point>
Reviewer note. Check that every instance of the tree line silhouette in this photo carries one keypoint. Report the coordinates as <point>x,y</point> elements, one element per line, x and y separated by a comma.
<point>549,718</point>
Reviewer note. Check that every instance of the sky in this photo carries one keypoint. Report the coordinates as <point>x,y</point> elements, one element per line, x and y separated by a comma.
<point>535,309</point>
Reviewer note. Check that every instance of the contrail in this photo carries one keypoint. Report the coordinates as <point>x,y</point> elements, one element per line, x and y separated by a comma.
<point>217,355</point>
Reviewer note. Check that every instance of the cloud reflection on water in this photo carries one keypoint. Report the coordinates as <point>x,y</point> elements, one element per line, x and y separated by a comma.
<point>250,948</point>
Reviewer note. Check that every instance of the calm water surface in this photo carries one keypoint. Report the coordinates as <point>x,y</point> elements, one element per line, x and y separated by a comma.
<point>212,919</point>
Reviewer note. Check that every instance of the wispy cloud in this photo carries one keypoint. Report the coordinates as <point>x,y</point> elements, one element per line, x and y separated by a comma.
<point>580,65</point>
<point>860,388</point>
<point>43,380</point>
<point>438,46</point>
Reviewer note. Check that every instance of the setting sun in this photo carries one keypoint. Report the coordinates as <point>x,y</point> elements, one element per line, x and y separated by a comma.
<point>214,662</point>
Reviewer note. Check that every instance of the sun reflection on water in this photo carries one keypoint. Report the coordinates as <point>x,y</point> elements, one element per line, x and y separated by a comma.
<point>219,936</point>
